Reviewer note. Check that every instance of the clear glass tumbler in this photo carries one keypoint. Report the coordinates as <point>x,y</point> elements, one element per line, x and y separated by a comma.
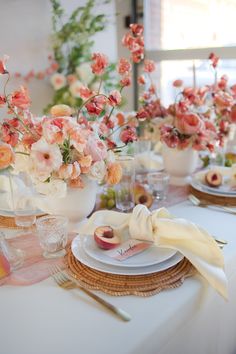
<point>158,183</point>
<point>52,231</point>
<point>124,190</point>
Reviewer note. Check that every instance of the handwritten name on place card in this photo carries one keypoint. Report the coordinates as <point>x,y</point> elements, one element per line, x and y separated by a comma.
<point>128,249</point>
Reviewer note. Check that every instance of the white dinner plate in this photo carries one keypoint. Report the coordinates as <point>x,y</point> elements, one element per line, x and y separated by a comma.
<point>150,256</point>
<point>225,190</point>
<point>81,255</point>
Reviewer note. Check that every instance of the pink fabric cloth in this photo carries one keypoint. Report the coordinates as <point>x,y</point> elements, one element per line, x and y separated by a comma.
<point>36,268</point>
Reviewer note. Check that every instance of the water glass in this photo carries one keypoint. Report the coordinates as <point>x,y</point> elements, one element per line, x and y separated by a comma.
<point>124,190</point>
<point>158,183</point>
<point>52,232</point>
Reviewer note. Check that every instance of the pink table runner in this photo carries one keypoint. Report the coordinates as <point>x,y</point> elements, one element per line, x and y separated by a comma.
<point>35,266</point>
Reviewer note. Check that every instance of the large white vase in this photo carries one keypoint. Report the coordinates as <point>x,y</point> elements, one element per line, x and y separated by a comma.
<point>179,164</point>
<point>76,205</point>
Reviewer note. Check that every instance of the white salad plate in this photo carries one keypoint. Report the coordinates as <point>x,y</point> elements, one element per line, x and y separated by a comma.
<point>224,190</point>
<point>148,257</point>
<point>80,254</point>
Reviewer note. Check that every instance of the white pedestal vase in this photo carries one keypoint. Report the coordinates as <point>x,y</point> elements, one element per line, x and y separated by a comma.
<point>77,204</point>
<point>179,164</point>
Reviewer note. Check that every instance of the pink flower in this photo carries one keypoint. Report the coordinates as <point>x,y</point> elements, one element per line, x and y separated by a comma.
<point>214,60</point>
<point>128,40</point>
<point>169,136</point>
<point>128,135</point>
<point>189,123</point>
<point>222,84</point>
<point>76,183</point>
<point>149,66</point>
<point>136,28</point>
<point>100,63</point>
<point>125,81</point>
<point>3,65</point>
<point>96,149</point>
<point>20,99</point>
<point>8,136</point>
<point>52,133</point>
<point>85,92</point>
<point>141,80</point>
<point>178,83</point>
<point>58,81</point>
<point>223,99</point>
<point>2,101</point>
<point>114,98</point>
<point>233,114</point>
<point>124,67</point>
<point>65,171</point>
<point>71,79</point>
<point>85,162</point>
<point>96,105</point>
<point>45,157</point>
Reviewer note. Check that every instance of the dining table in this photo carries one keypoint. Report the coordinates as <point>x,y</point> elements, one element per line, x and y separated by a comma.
<point>43,318</point>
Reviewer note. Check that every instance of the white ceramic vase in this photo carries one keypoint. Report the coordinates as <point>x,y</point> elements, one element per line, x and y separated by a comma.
<point>76,205</point>
<point>179,164</point>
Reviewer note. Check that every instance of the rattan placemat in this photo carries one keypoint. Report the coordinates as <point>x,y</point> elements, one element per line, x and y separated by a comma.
<point>119,285</point>
<point>7,222</point>
<point>215,199</point>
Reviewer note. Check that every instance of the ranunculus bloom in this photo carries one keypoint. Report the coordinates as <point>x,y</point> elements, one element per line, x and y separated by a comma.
<point>124,67</point>
<point>114,98</point>
<point>20,99</point>
<point>76,183</point>
<point>189,123</point>
<point>85,162</point>
<point>58,81</point>
<point>60,110</point>
<point>136,28</point>
<point>178,83</point>
<point>149,66</point>
<point>128,135</point>
<point>96,148</point>
<point>6,155</point>
<point>96,105</point>
<point>65,171</point>
<point>114,173</point>
<point>100,62</point>
<point>45,157</point>
<point>3,65</point>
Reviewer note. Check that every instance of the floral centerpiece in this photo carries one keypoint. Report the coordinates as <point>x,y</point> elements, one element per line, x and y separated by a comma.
<point>62,150</point>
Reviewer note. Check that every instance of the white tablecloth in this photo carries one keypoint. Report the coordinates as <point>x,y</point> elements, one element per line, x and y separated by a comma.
<point>44,319</point>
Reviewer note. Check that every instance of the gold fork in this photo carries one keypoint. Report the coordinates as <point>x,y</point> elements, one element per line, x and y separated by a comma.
<point>203,203</point>
<point>65,281</point>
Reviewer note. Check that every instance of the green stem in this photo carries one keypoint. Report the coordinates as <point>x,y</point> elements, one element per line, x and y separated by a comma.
<point>4,89</point>
<point>22,153</point>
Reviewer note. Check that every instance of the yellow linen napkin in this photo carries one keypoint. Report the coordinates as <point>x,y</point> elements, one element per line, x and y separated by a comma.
<point>167,231</point>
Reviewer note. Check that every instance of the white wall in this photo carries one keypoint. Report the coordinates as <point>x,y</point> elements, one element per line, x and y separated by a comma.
<point>25,27</point>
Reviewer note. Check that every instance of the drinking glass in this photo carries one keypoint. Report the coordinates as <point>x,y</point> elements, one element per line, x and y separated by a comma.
<point>158,183</point>
<point>124,190</point>
<point>52,233</point>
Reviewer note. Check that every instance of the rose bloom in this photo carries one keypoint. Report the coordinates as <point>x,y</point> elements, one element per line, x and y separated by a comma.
<point>128,135</point>
<point>114,173</point>
<point>189,123</point>
<point>100,62</point>
<point>96,105</point>
<point>136,29</point>
<point>96,148</point>
<point>46,158</point>
<point>98,171</point>
<point>124,67</point>
<point>6,155</point>
<point>20,99</point>
<point>149,66</point>
<point>60,110</point>
<point>3,64</point>
<point>178,83</point>
<point>125,81</point>
<point>58,81</point>
<point>114,98</point>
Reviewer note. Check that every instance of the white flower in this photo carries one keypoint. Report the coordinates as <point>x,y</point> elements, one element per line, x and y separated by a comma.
<point>56,188</point>
<point>85,73</point>
<point>75,88</point>
<point>45,157</point>
<point>58,81</point>
<point>98,170</point>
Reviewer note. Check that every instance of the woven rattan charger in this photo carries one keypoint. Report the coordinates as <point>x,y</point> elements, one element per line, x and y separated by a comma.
<point>118,285</point>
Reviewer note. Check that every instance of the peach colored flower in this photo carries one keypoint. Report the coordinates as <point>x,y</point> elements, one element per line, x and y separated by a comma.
<point>58,81</point>
<point>76,170</point>
<point>96,105</point>
<point>75,88</point>
<point>60,110</point>
<point>136,28</point>
<point>65,171</point>
<point>141,80</point>
<point>52,133</point>
<point>100,62</point>
<point>114,98</point>
<point>71,79</point>
<point>85,92</point>
<point>96,149</point>
<point>114,173</point>
<point>7,156</point>
<point>125,81</point>
<point>178,83</point>
<point>76,183</point>
<point>85,163</point>
<point>20,99</point>
<point>189,123</point>
<point>124,66</point>
<point>223,99</point>
<point>149,66</point>
<point>3,65</point>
